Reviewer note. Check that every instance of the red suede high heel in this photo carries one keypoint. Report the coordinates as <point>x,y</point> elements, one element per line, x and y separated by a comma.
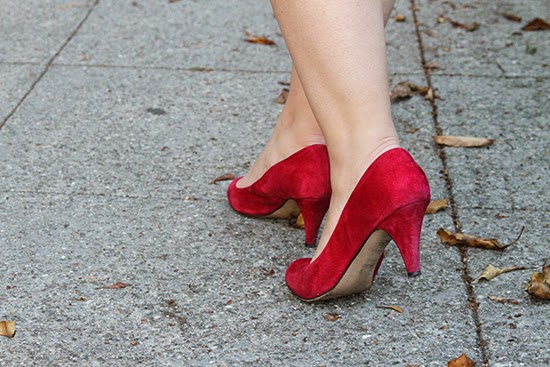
<point>388,203</point>
<point>304,177</point>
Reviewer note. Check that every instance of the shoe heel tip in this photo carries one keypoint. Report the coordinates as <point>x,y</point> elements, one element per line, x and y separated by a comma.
<point>415,274</point>
<point>309,245</point>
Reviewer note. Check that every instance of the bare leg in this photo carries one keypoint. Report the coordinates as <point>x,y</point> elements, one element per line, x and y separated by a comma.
<point>296,127</point>
<point>339,51</point>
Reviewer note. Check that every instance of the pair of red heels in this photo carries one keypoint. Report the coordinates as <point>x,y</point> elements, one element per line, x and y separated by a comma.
<point>388,203</point>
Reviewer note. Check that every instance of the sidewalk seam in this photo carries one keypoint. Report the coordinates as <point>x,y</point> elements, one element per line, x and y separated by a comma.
<point>464,254</point>
<point>48,65</point>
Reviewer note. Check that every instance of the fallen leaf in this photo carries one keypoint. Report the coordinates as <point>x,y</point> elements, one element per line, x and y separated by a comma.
<point>467,27</point>
<point>539,285</point>
<point>512,17</point>
<point>405,90</point>
<point>430,96</point>
<point>395,308</point>
<point>133,343</point>
<point>462,361</point>
<point>461,239</point>
<point>536,24</point>
<point>299,222</point>
<point>333,316</point>
<point>491,272</point>
<point>117,285</point>
<point>283,96</point>
<point>503,300</point>
<point>81,298</point>
<point>268,272</point>
<point>433,66</point>
<point>7,328</point>
<point>437,205</point>
<point>500,216</point>
<point>462,141</point>
<point>229,302</point>
<point>400,18</point>
<point>224,177</point>
<point>259,40</point>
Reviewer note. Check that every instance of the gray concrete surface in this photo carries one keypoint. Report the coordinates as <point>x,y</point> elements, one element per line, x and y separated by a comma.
<point>97,189</point>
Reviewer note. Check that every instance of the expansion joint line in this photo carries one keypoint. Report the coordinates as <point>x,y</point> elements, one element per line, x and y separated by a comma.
<point>466,277</point>
<point>49,64</point>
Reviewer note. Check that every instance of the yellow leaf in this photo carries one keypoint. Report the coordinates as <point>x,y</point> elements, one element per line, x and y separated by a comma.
<point>400,18</point>
<point>7,328</point>
<point>539,285</point>
<point>260,40</point>
<point>462,141</point>
<point>437,205</point>
<point>462,361</point>
<point>299,223</point>
<point>395,308</point>
<point>461,239</point>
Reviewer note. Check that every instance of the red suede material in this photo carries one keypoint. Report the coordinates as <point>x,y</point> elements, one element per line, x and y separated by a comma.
<point>303,177</point>
<point>393,182</point>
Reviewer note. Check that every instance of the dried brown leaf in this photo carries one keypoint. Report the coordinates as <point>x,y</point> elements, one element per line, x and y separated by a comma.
<point>405,90</point>
<point>283,96</point>
<point>259,40</point>
<point>467,27</point>
<point>224,177</point>
<point>539,285</point>
<point>537,24</point>
<point>462,361</point>
<point>117,285</point>
<point>462,141</point>
<point>491,272</point>
<point>333,316</point>
<point>133,343</point>
<point>461,239</point>
<point>395,308</point>
<point>512,17</point>
<point>437,205</point>
<point>503,300</point>
<point>7,328</point>
<point>400,18</point>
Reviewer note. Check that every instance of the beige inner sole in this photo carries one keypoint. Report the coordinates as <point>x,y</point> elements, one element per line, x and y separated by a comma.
<point>358,277</point>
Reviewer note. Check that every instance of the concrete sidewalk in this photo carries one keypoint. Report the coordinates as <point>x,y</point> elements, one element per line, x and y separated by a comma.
<point>115,115</point>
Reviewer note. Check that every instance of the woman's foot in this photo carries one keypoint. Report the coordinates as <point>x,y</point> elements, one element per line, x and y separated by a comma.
<point>296,129</point>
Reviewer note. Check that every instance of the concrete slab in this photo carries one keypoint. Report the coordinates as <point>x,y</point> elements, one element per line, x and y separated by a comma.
<point>34,30</point>
<point>497,47</point>
<point>511,173</point>
<point>109,142</point>
<point>204,35</point>
<point>16,81</point>
<point>195,299</point>
<point>182,34</point>
<point>515,332</point>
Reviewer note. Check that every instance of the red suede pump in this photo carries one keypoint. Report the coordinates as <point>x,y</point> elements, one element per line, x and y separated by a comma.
<point>304,177</point>
<point>388,203</point>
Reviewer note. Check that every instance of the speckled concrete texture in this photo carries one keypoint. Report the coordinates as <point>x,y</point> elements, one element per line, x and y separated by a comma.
<point>116,115</point>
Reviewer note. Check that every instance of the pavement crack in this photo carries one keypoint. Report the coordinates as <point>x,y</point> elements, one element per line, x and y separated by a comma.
<point>464,254</point>
<point>49,64</point>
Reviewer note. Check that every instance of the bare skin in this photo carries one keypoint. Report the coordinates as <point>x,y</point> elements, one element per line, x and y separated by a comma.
<point>296,127</point>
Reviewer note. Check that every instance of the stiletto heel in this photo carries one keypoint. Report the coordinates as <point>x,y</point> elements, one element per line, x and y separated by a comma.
<point>388,202</point>
<point>406,234</point>
<point>303,179</point>
<point>313,212</point>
